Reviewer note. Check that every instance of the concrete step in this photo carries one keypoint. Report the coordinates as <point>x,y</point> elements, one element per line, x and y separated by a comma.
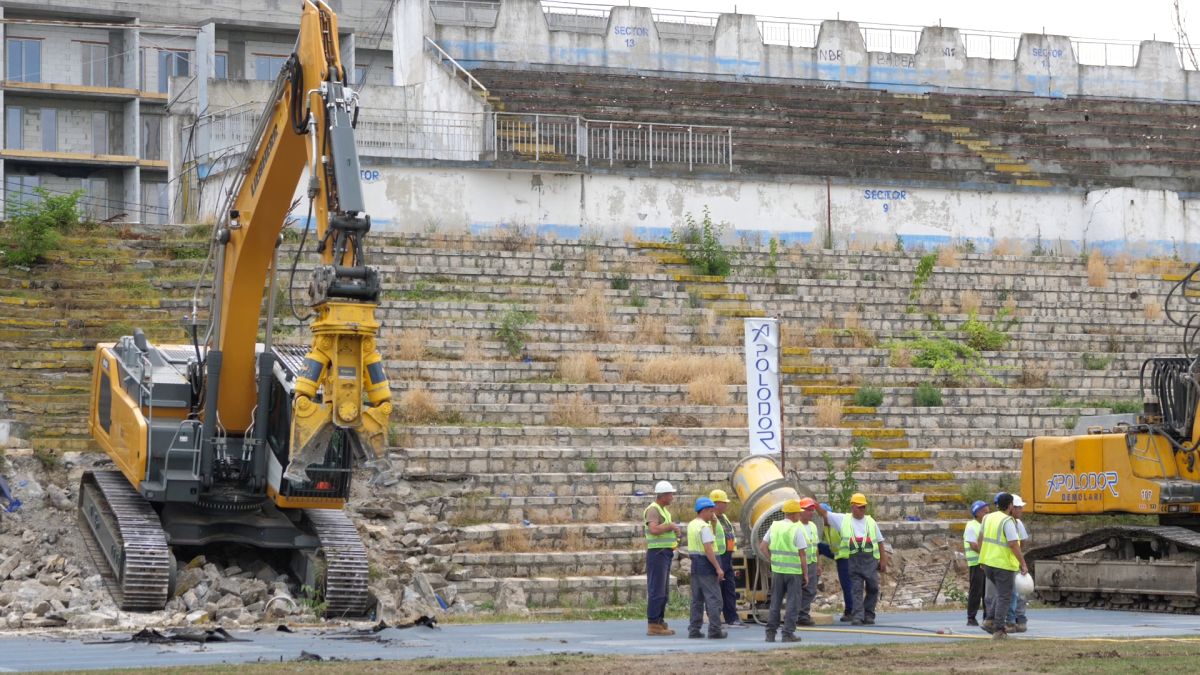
<point>565,591</point>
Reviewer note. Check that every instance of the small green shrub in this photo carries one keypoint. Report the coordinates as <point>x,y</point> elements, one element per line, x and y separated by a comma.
<point>989,336</point>
<point>898,247</point>
<point>773,258</point>
<point>1070,422</point>
<point>35,226</point>
<point>512,330</point>
<point>591,464</point>
<point>701,245</point>
<point>924,271</point>
<point>1096,362</point>
<point>49,458</point>
<point>557,266</point>
<point>619,282</point>
<point>942,355</point>
<point>694,300</point>
<point>636,299</point>
<point>927,395</point>
<point>839,490</point>
<point>868,397</point>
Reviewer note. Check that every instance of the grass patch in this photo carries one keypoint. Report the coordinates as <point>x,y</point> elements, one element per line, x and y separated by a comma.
<point>829,412</point>
<point>573,412</point>
<point>684,369</point>
<point>708,389</point>
<point>581,367</point>
<point>1091,362</point>
<point>927,395</point>
<point>868,397</point>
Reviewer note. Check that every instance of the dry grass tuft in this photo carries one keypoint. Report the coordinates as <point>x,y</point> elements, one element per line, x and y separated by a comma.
<point>793,335</point>
<point>580,368</point>
<point>643,265</point>
<point>736,421</point>
<point>592,310</point>
<point>574,540</point>
<point>628,236</point>
<point>609,509</point>
<point>472,352</point>
<point>574,412</point>
<point>1152,310</point>
<point>651,330</point>
<point>662,439</point>
<point>901,358</point>
<point>411,345</point>
<point>1145,266</point>
<point>591,261</point>
<point>1097,270</point>
<point>708,389</point>
<point>1008,246</point>
<point>417,406</point>
<point>969,301</point>
<point>627,362</point>
<point>1033,377</point>
<point>1010,304</point>
<point>947,257</point>
<point>1120,264</point>
<point>824,339</point>
<point>703,333</point>
<point>829,411</point>
<point>864,338</point>
<point>733,333</point>
<point>683,369</point>
<point>515,540</point>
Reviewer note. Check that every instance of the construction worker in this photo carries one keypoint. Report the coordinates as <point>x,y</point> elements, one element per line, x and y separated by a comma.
<point>726,545</point>
<point>1022,535</point>
<point>662,538</point>
<point>812,561</point>
<point>971,544</point>
<point>786,549</point>
<point>1001,558</point>
<point>829,549</point>
<point>706,572</point>
<point>862,545</point>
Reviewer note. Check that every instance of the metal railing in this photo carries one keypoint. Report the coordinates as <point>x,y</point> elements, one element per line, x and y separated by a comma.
<point>441,53</point>
<point>465,13</point>
<point>569,137</point>
<point>683,25</point>
<point>987,45</point>
<point>893,40</point>
<point>790,33</point>
<point>423,134</point>
<point>1094,53</point>
<point>576,16</point>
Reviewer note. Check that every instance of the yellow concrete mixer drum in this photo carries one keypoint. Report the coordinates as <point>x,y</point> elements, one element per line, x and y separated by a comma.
<point>761,487</point>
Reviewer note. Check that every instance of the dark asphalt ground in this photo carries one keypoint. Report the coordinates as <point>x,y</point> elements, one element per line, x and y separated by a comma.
<point>55,651</point>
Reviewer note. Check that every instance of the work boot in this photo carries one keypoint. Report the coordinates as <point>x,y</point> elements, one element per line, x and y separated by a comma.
<point>738,623</point>
<point>805,622</point>
<point>856,622</point>
<point>791,638</point>
<point>869,622</point>
<point>695,636</point>
<point>989,626</point>
<point>664,624</point>
<point>718,636</point>
<point>1011,628</point>
<point>770,637</point>
<point>999,635</point>
<point>1020,628</point>
<point>847,618</point>
<point>972,622</point>
<point>658,629</point>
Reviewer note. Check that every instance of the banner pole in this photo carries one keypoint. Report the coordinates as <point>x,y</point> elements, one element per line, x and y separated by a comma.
<point>782,417</point>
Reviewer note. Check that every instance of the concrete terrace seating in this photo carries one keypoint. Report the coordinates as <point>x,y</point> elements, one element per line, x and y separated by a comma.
<point>863,133</point>
<point>511,436</point>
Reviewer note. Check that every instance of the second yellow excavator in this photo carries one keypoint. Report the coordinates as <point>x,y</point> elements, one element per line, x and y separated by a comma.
<point>229,440</point>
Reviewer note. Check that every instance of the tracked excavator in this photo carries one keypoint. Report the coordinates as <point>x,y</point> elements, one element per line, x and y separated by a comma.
<point>1142,464</point>
<point>226,440</point>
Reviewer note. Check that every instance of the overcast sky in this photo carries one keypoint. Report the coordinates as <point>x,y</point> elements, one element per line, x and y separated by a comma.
<point>1104,19</point>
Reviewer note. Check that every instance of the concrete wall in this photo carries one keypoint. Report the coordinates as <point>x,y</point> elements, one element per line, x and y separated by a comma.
<point>1045,65</point>
<point>1142,222</point>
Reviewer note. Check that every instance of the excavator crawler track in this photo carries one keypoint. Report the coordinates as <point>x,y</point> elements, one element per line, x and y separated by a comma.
<point>1186,601</point>
<point>345,562</point>
<point>134,559</point>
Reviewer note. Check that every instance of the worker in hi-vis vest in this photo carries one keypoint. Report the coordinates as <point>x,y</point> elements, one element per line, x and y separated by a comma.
<point>662,538</point>
<point>726,545</point>
<point>972,541</point>
<point>812,560</point>
<point>706,572</point>
<point>785,549</point>
<point>1002,559</point>
<point>862,546</point>
<point>829,548</point>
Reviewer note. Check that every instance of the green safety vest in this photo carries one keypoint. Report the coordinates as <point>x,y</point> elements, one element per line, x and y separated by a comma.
<point>834,539</point>
<point>730,533</point>
<point>664,540</point>
<point>695,546</point>
<point>810,533</point>
<point>719,534</point>
<point>848,545</point>
<point>994,551</point>
<point>785,556</point>
<point>973,526</point>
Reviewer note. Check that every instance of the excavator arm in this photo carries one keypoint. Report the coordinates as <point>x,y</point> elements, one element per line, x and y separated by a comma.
<point>308,123</point>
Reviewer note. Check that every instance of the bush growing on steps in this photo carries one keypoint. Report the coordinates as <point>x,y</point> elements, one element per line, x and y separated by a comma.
<point>701,245</point>
<point>36,225</point>
<point>927,395</point>
<point>868,397</point>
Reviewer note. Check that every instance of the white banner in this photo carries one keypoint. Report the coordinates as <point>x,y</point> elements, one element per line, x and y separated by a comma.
<point>762,386</point>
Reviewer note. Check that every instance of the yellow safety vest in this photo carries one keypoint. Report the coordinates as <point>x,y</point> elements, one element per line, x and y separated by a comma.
<point>785,556</point>
<point>695,546</point>
<point>719,534</point>
<point>975,527</point>
<point>848,545</point>
<point>810,533</point>
<point>664,540</point>
<point>834,539</point>
<point>994,551</point>
<point>730,533</point>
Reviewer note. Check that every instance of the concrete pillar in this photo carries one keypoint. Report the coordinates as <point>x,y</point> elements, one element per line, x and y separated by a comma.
<point>3,119</point>
<point>941,59</point>
<point>133,131</point>
<point>841,52</point>
<point>206,56</point>
<point>522,34</point>
<point>737,45</point>
<point>632,39</point>
<point>1158,66</point>
<point>409,28</point>
<point>236,63</point>
<point>130,59</point>
<point>1046,66</point>
<point>348,46</point>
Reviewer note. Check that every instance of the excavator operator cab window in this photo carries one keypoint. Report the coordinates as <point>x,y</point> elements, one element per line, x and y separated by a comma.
<point>278,416</point>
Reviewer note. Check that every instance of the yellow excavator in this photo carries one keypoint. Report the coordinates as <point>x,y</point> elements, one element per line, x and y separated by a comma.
<point>1142,464</point>
<point>226,440</point>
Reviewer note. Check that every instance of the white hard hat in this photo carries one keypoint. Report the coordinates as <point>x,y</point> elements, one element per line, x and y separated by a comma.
<point>1024,585</point>
<point>1017,501</point>
<point>662,487</point>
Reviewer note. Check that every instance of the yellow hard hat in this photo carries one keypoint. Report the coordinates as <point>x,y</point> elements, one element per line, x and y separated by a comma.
<point>792,506</point>
<point>859,499</point>
<point>718,496</point>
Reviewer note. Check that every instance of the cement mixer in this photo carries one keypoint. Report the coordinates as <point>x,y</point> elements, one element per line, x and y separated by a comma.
<point>762,489</point>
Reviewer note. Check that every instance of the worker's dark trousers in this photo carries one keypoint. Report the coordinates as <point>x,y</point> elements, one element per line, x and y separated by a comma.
<point>1003,581</point>
<point>785,587</point>
<point>728,588</point>
<point>706,597</point>
<point>808,593</point>
<point>658,578</point>
<point>975,594</point>
<point>843,569</point>
<point>864,576</point>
